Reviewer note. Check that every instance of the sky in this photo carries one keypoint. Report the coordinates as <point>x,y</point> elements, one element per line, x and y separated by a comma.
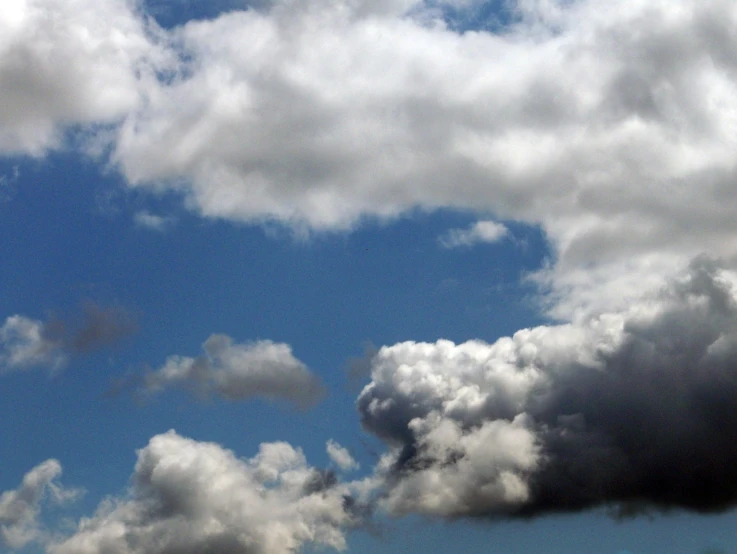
<point>347,276</point>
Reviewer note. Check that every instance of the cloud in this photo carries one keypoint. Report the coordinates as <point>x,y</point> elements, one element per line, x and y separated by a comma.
<point>341,457</point>
<point>481,231</point>
<point>151,221</point>
<point>192,497</point>
<point>65,63</point>
<point>239,372</point>
<point>20,508</point>
<point>27,343</point>
<point>633,410</point>
<point>615,133</point>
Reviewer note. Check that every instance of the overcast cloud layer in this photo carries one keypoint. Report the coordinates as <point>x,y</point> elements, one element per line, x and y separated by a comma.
<point>611,125</point>
<point>633,410</point>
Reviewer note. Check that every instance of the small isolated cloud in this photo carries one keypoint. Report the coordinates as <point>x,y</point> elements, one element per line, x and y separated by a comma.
<point>635,410</point>
<point>20,508</point>
<point>239,372</point>
<point>27,343</point>
<point>481,231</point>
<point>341,457</point>
<point>193,497</point>
<point>146,220</point>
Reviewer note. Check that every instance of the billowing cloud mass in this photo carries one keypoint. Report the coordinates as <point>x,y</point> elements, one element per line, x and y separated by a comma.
<point>631,410</point>
<point>27,343</point>
<point>610,125</point>
<point>193,497</point>
<point>20,508</point>
<point>481,231</point>
<point>240,371</point>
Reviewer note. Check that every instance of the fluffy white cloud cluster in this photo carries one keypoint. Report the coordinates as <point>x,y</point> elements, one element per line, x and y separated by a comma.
<point>69,62</point>
<point>20,508</point>
<point>634,409</point>
<point>610,125</point>
<point>192,497</point>
<point>240,371</point>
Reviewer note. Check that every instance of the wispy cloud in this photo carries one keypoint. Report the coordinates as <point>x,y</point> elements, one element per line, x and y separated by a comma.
<point>479,232</point>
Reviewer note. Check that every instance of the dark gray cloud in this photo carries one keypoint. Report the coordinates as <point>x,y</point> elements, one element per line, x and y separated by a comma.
<point>634,411</point>
<point>239,372</point>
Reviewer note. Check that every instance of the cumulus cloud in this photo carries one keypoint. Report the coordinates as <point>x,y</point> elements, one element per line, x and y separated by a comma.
<point>27,343</point>
<point>65,63</point>
<point>192,497</point>
<point>340,456</point>
<point>20,508</point>
<point>239,371</point>
<point>632,410</point>
<point>481,231</point>
<point>610,126</point>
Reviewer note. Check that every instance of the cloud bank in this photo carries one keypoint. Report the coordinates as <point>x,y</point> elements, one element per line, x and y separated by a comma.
<point>193,497</point>
<point>632,410</point>
<point>239,372</point>
<point>610,126</point>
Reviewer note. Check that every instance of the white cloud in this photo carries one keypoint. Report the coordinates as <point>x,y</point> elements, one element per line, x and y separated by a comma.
<point>633,410</point>
<point>611,126</point>
<point>191,497</point>
<point>20,508</point>
<point>481,231</point>
<point>65,62</point>
<point>240,371</point>
<point>24,344</point>
<point>151,221</point>
<point>340,456</point>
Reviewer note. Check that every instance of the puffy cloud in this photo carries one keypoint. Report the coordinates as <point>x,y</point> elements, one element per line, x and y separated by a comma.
<point>67,62</point>
<point>340,456</point>
<point>26,343</point>
<point>481,231</point>
<point>240,371</point>
<point>193,497</point>
<point>632,410</point>
<point>612,127</point>
<point>20,508</point>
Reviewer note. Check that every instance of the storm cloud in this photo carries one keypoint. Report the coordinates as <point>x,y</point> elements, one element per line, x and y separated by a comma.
<point>635,410</point>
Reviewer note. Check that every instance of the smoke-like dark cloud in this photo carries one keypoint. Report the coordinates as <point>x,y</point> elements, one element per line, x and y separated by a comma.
<point>633,411</point>
<point>27,343</point>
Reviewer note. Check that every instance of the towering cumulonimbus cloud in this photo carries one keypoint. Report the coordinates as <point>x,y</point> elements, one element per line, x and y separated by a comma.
<point>193,497</point>
<point>239,372</point>
<point>634,410</point>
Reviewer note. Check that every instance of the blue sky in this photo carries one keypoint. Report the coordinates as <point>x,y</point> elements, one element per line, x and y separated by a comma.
<point>486,248</point>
